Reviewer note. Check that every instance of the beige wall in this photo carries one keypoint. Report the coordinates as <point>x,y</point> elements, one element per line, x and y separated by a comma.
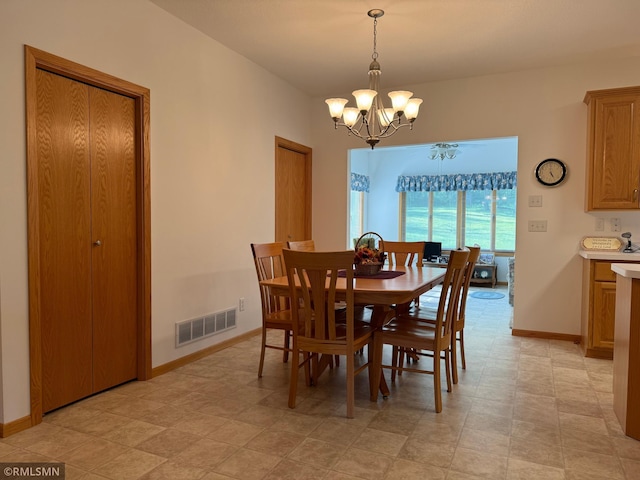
<point>544,109</point>
<point>212,170</point>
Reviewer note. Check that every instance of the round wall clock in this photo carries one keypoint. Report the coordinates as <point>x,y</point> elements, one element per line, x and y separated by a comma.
<point>551,172</point>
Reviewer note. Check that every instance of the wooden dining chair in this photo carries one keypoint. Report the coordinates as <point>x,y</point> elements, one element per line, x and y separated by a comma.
<point>302,245</point>
<point>406,331</point>
<point>328,330</point>
<point>310,246</point>
<point>276,311</point>
<point>458,327</point>
<point>429,316</point>
<point>404,253</point>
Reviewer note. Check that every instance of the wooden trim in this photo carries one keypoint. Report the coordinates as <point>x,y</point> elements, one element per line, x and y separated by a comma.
<point>546,335</point>
<point>494,218</point>
<point>7,429</point>
<point>598,353</point>
<point>402,216</point>
<point>461,218</point>
<point>205,352</point>
<point>362,212</point>
<point>38,59</point>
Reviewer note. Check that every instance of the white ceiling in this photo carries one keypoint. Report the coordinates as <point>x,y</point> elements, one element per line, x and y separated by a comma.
<point>323,47</point>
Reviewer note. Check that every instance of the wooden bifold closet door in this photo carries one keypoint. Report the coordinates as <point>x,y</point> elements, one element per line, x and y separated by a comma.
<point>87,243</point>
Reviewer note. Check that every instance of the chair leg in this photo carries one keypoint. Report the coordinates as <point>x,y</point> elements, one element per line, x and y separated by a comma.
<point>370,355</point>
<point>437,382</point>
<point>464,363</point>
<point>306,358</point>
<point>454,358</point>
<point>447,367</point>
<point>315,366</point>
<point>287,341</point>
<point>376,366</point>
<point>395,355</point>
<point>293,380</point>
<point>351,395</point>
<point>264,342</point>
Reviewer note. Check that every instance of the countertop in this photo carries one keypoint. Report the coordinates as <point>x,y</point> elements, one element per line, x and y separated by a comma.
<point>620,256</point>
<point>629,270</point>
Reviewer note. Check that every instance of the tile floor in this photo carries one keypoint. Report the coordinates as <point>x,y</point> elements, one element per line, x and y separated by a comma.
<point>524,409</point>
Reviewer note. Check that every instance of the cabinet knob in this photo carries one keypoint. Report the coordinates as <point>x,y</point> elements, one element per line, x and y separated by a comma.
<point>97,243</point>
<point>635,195</point>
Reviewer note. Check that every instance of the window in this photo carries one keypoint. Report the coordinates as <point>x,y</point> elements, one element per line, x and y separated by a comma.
<point>356,214</point>
<point>478,215</point>
<point>459,210</point>
<point>444,214</point>
<point>359,185</point>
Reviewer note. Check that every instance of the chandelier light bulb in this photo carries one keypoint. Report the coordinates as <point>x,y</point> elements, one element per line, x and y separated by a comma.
<point>350,116</point>
<point>399,100</point>
<point>364,99</point>
<point>336,106</point>
<point>412,109</point>
<point>385,116</point>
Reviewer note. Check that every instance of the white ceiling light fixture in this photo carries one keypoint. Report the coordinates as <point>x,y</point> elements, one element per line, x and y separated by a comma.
<point>443,150</point>
<point>371,121</point>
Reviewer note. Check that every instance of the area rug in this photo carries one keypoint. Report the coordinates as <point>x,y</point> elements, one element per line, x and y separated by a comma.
<point>487,295</point>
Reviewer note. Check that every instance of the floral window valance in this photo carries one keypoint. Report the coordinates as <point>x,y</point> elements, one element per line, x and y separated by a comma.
<point>359,183</point>
<point>461,181</point>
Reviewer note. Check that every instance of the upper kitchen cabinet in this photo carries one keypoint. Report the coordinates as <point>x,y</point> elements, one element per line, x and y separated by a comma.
<point>613,149</point>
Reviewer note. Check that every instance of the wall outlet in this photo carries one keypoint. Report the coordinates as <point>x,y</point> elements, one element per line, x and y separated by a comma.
<point>241,304</point>
<point>535,200</point>
<point>537,225</point>
<point>615,224</point>
<point>599,224</point>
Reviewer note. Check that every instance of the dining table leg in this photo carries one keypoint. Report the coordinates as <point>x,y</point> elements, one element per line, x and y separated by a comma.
<point>381,315</point>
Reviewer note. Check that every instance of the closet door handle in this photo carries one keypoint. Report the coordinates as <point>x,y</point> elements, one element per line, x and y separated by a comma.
<point>97,243</point>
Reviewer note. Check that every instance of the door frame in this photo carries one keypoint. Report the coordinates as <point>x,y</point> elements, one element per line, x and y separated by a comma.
<point>306,151</point>
<point>38,59</point>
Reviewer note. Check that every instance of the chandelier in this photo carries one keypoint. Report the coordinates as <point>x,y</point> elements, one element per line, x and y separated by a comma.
<point>371,121</point>
<point>443,150</point>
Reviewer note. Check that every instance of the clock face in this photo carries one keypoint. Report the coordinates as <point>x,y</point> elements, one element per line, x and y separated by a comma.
<point>551,172</point>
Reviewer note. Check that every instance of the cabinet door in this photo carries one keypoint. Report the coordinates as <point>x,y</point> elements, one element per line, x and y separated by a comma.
<point>614,151</point>
<point>604,314</point>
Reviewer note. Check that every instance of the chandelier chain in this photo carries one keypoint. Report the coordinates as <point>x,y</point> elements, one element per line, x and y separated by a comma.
<point>374,56</point>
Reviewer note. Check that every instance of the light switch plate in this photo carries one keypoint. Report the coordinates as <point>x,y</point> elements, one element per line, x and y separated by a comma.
<point>537,225</point>
<point>535,200</point>
<point>615,224</point>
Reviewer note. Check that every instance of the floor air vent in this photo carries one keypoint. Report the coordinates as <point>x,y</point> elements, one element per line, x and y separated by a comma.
<point>189,331</point>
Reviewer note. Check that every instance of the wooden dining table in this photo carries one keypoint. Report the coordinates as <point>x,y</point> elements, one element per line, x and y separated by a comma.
<point>386,296</point>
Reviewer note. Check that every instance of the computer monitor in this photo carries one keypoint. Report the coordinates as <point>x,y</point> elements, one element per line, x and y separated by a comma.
<point>432,250</point>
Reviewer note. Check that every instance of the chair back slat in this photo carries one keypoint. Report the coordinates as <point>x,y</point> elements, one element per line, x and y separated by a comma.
<point>404,253</point>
